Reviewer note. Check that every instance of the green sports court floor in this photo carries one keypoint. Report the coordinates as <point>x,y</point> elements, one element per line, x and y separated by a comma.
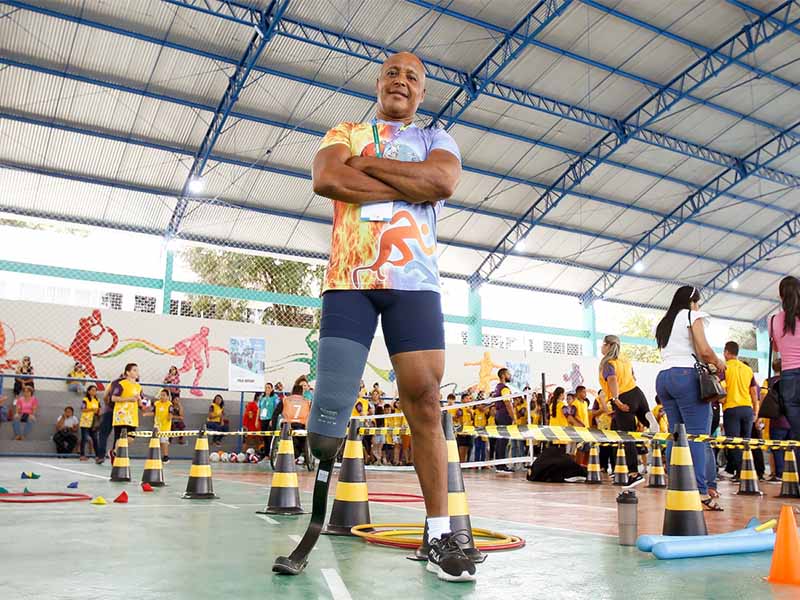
<point>161,546</point>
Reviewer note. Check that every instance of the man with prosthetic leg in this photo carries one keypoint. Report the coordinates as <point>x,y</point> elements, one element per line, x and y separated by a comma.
<point>387,179</point>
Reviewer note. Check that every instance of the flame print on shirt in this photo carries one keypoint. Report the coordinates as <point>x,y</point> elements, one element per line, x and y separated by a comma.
<point>398,254</point>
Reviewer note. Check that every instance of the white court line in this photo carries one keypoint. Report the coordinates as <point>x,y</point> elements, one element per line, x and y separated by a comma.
<point>336,585</point>
<point>69,470</point>
<point>269,520</point>
<point>228,505</point>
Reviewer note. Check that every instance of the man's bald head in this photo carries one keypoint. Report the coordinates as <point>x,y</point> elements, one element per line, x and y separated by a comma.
<point>400,87</point>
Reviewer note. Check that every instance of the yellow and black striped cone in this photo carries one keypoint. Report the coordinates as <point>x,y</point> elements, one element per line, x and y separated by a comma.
<point>789,486</point>
<point>121,467</point>
<point>656,476</point>
<point>351,503</point>
<point>153,468</point>
<point>284,495</point>
<point>683,514</point>
<point>621,467</point>
<point>199,486</point>
<point>748,480</point>
<point>593,468</point>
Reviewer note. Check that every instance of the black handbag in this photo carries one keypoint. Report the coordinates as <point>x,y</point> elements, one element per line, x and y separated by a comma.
<point>710,386</point>
<point>772,404</point>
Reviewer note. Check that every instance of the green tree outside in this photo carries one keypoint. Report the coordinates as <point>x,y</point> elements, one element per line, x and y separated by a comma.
<point>641,325</point>
<point>262,273</point>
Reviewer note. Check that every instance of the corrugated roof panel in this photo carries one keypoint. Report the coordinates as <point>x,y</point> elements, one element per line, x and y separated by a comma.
<point>628,186</point>
<point>503,14</point>
<point>566,79</point>
<point>297,103</point>
<point>708,23</point>
<point>735,308</point>
<point>667,265</point>
<point>458,260</point>
<point>783,259</point>
<point>609,40</point>
<point>305,237</point>
<point>520,120</point>
<point>611,220</point>
<point>707,242</point>
<point>544,275</point>
<point>653,158</point>
<point>53,196</point>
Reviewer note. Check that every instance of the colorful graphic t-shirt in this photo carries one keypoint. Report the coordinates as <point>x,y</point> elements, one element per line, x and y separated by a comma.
<point>398,254</point>
<point>126,413</point>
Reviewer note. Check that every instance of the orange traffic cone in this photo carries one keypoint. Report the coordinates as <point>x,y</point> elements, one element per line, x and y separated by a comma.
<point>785,566</point>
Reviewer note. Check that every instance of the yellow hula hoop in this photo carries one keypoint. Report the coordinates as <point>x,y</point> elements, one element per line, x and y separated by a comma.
<point>409,535</point>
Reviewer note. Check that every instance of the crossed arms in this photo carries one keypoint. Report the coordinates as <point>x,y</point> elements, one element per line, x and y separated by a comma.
<point>368,179</point>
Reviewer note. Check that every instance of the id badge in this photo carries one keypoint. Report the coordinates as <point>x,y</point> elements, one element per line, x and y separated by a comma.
<point>381,211</point>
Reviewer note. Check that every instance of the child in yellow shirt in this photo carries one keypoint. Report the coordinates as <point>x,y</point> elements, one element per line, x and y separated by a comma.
<point>90,407</point>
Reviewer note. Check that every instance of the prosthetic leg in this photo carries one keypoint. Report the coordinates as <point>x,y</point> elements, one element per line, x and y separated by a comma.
<point>340,366</point>
<point>325,450</point>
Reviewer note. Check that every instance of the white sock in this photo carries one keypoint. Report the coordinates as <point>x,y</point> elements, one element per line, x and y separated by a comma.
<point>437,526</point>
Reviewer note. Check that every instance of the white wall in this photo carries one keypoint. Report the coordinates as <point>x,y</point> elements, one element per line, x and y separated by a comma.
<point>46,331</point>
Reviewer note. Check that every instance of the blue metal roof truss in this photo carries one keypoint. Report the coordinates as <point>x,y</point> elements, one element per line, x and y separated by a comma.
<point>264,32</point>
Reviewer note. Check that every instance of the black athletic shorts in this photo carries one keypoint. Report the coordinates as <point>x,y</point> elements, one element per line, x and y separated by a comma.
<point>411,321</point>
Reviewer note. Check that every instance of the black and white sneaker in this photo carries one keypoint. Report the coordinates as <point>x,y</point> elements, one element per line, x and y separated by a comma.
<point>447,559</point>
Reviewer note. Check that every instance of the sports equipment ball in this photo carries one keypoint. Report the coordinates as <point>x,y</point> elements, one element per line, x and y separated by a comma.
<point>214,457</point>
<point>253,458</point>
<point>223,456</point>
<point>233,457</point>
<point>241,457</point>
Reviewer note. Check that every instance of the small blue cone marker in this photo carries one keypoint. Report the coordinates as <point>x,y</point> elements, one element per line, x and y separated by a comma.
<point>25,476</point>
<point>73,485</point>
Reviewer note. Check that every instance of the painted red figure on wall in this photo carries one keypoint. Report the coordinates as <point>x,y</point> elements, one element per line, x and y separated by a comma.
<point>90,329</point>
<point>195,349</point>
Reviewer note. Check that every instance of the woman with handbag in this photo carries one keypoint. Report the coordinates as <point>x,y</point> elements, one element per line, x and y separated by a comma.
<point>681,337</point>
<point>784,331</point>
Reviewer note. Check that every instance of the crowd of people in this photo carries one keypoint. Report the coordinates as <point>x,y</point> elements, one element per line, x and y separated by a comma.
<point>617,404</point>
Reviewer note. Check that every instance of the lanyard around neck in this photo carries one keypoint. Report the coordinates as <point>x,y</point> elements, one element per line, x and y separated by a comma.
<point>376,138</point>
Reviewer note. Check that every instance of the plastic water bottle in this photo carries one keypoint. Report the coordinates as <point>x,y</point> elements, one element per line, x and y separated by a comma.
<point>628,517</point>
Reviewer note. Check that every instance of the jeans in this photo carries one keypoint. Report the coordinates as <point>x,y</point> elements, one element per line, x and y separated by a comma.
<point>500,448</point>
<point>76,388</point>
<point>212,426</point>
<point>777,434</point>
<point>480,449</point>
<point>20,428</point>
<point>106,421</point>
<point>790,393</point>
<point>738,422</point>
<point>517,448</point>
<point>87,433</point>
<point>679,391</point>
<point>3,413</point>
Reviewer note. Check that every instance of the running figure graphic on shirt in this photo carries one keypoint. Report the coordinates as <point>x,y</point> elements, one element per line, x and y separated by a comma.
<point>396,237</point>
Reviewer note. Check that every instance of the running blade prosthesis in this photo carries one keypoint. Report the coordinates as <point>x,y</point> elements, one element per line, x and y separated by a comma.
<point>298,559</point>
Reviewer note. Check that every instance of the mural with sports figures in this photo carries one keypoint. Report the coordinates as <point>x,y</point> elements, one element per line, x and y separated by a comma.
<point>102,341</point>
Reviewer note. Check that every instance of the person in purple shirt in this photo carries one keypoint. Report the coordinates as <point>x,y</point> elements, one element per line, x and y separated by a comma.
<point>503,411</point>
